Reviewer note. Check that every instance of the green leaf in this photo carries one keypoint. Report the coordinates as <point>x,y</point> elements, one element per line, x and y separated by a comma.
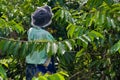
<point>54,48</point>
<point>41,46</point>
<point>6,46</point>
<point>94,3</point>
<point>91,19</point>
<point>73,44</point>
<point>84,42</point>
<point>51,48</point>
<point>109,2</point>
<point>56,77</point>
<point>68,27</point>
<point>53,77</point>
<point>3,72</point>
<point>11,47</point>
<point>98,3</point>
<point>34,78</point>
<point>71,29</point>
<point>97,15</point>
<point>33,47</point>
<point>39,78</point>
<point>61,77</point>
<point>80,52</point>
<point>68,17</point>
<point>91,3</point>
<point>68,44</point>
<point>96,34</point>
<point>17,46</point>
<point>57,14</point>
<point>115,47</point>
<point>102,18</point>
<point>42,78</point>
<point>86,37</point>
<point>113,23</point>
<point>62,14</point>
<point>68,57</point>
<point>48,47</point>
<point>116,9</point>
<point>108,21</point>
<point>2,43</point>
<point>63,73</point>
<point>24,49</point>
<point>61,48</point>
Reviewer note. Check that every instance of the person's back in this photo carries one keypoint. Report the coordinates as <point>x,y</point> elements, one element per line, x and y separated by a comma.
<point>38,34</point>
<point>38,61</point>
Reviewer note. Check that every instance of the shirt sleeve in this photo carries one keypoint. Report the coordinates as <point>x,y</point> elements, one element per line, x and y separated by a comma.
<point>30,35</point>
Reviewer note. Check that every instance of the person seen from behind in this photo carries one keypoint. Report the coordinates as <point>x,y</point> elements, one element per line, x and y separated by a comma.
<point>39,61</point>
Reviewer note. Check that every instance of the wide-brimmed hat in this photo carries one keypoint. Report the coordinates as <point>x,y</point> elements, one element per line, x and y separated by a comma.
<point>42,17</point>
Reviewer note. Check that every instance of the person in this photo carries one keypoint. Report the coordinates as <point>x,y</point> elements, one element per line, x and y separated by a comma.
<point>39,61</point>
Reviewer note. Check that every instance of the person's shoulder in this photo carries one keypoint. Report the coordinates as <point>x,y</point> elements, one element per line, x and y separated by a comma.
<point>45,31</point>
<point>30,29</point>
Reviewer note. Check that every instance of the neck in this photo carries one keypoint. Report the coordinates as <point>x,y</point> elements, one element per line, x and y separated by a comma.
<point>35,26</point>
<point>41,26</point>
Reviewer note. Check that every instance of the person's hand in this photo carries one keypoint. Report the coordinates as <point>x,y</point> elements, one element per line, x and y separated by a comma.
<point>47,62</point>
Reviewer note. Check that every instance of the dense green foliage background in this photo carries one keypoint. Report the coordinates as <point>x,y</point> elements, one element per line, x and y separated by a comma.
<point>87,33</point>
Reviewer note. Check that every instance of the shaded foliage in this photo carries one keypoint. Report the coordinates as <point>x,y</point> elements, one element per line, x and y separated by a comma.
<point>87,31</point>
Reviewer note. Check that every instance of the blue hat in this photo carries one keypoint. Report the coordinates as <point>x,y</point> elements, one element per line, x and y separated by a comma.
<point>42,17</point>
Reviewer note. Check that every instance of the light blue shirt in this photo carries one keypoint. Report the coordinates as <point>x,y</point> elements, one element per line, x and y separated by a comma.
<point>38,57</point>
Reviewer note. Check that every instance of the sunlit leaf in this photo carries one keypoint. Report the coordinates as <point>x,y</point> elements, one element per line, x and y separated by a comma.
<point>63,73</point>
<point>54,48</point>
<point>3,72</point>
<point>115,47</point>
<point>48,47</point>
<point>61,48</point>
<point>68,44</point>
<point>96,34</point>
<point>57,14</point>
<point>115,9</point>
<point>71,29</point>
<point>113,23</point>
<point>83,40</point>
<point>39,78</point>
<point>87,38</point>
<point>62,14</point>
<point>108,21</point>
<point>72,42</point>
<point>80,52</point>
<point>56,77</point>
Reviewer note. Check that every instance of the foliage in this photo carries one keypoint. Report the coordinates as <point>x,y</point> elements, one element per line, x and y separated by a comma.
<point>2,73</point>
<point>88,45</point>
<point>56,76</point>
